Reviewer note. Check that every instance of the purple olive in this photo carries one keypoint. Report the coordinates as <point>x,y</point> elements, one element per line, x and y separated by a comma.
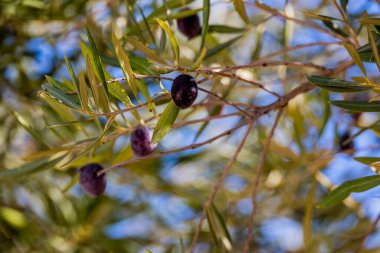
<point>189,26</point>
<point>342,142</point>
<point>184,91</point>
<point>91,183</point>
<point>141,141</point>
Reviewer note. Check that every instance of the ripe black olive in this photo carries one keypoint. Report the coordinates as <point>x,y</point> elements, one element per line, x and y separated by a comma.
<point>141,141</point>
<point>342,139</point>
<point>189,26</point>
<point>184,91</point>
<point>89,180</point>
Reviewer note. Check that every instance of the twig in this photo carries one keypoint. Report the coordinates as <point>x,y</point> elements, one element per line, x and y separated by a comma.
<point>159,154</point>
<point>289,49</point>
<point>225,101</point>
<point>259,170</point>
<point>217,187</point>
<point>368,233</point>
<point>267,64</point>
<point>298,21</point>
<point>234,76</point>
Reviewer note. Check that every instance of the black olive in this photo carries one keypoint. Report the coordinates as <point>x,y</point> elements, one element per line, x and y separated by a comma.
<point>184,91</point>
<point>141,141</point>
<point>189,26</point>
<point>342,139</point>
<point>89,180</point>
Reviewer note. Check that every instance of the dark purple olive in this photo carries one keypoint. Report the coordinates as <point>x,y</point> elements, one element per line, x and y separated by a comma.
<point>141,141</point>
<point>91,183</point>
<point>342,142</point>
<point>184,91</point>
<point>189,26</point>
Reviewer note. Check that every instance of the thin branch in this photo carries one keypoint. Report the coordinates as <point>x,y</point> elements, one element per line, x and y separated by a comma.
<point>234,76</point>
<point>194,121</point>
<point>289,49</point>
<point>298,21</point>
<point>368,233</point>
<point>347,23</point>
<point>225,101</point>
<point>259,170</point>
<point>268,64</point>
<point>164,153</point>
<point>217,187</point>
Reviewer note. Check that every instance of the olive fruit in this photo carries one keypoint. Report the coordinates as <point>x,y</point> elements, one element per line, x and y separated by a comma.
<point>189,26</point>
<point>342,139</point>
<point>141,141</point>
<point>91,183</point>
<point>184,91</point>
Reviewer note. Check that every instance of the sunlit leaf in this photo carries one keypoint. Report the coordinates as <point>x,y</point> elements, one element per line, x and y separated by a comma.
<point>98,91</point>
<point>369,21</point>
<point>58,94</point>
<point>348,187</point>
<point>125,65</point>
<point>205,25</point>
<point>83,90</point>
<point>199,60</point>
<point>355,56</point>
<point>97,60</point>
<point>358,106</point>
<point>308,217</point>
<point>172,38</point>
<point>165,122</point>
<point>239,7</point>
<point>336,85</point>
<point>372,42</point>
<point>213,51</point>
<point>147,51</point>
<point>30,168</point>
<point>225,29</point>
<point>367,160</point>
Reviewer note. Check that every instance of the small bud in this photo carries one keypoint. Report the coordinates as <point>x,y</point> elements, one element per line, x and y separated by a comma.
<point>184,91</point>
<point>141,141</point>
<point>189,26</point>
<point>91,183</point>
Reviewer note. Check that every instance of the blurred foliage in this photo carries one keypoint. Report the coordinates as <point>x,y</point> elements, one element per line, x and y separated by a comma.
<point>57,60</point>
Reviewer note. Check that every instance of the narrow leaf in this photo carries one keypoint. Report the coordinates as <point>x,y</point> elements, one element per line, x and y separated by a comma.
<point>172,38</point>
<point>344,3</point>
<point>125,65</point>
<point>355,56</point>
<point>100,96</point>
<point>336,85</point>
<point>57,84</point>
<point>225,29</point>
<point>205,25</point>
<point>146,50</point>
<point>372,42</point>
<point>165,122</point>
<point>97,60</point>
<point>199,60</point>
<point>369,21</point>
<point>344,190</point>
<point>30,168</point>
<point>239,7</point>
<point>358,106</point>
<point>308,217</point>
<point>70,68</point>
<point>58,94</point>
<point>83,90</point>
<point>367,160</point>
<point>222,46</point>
